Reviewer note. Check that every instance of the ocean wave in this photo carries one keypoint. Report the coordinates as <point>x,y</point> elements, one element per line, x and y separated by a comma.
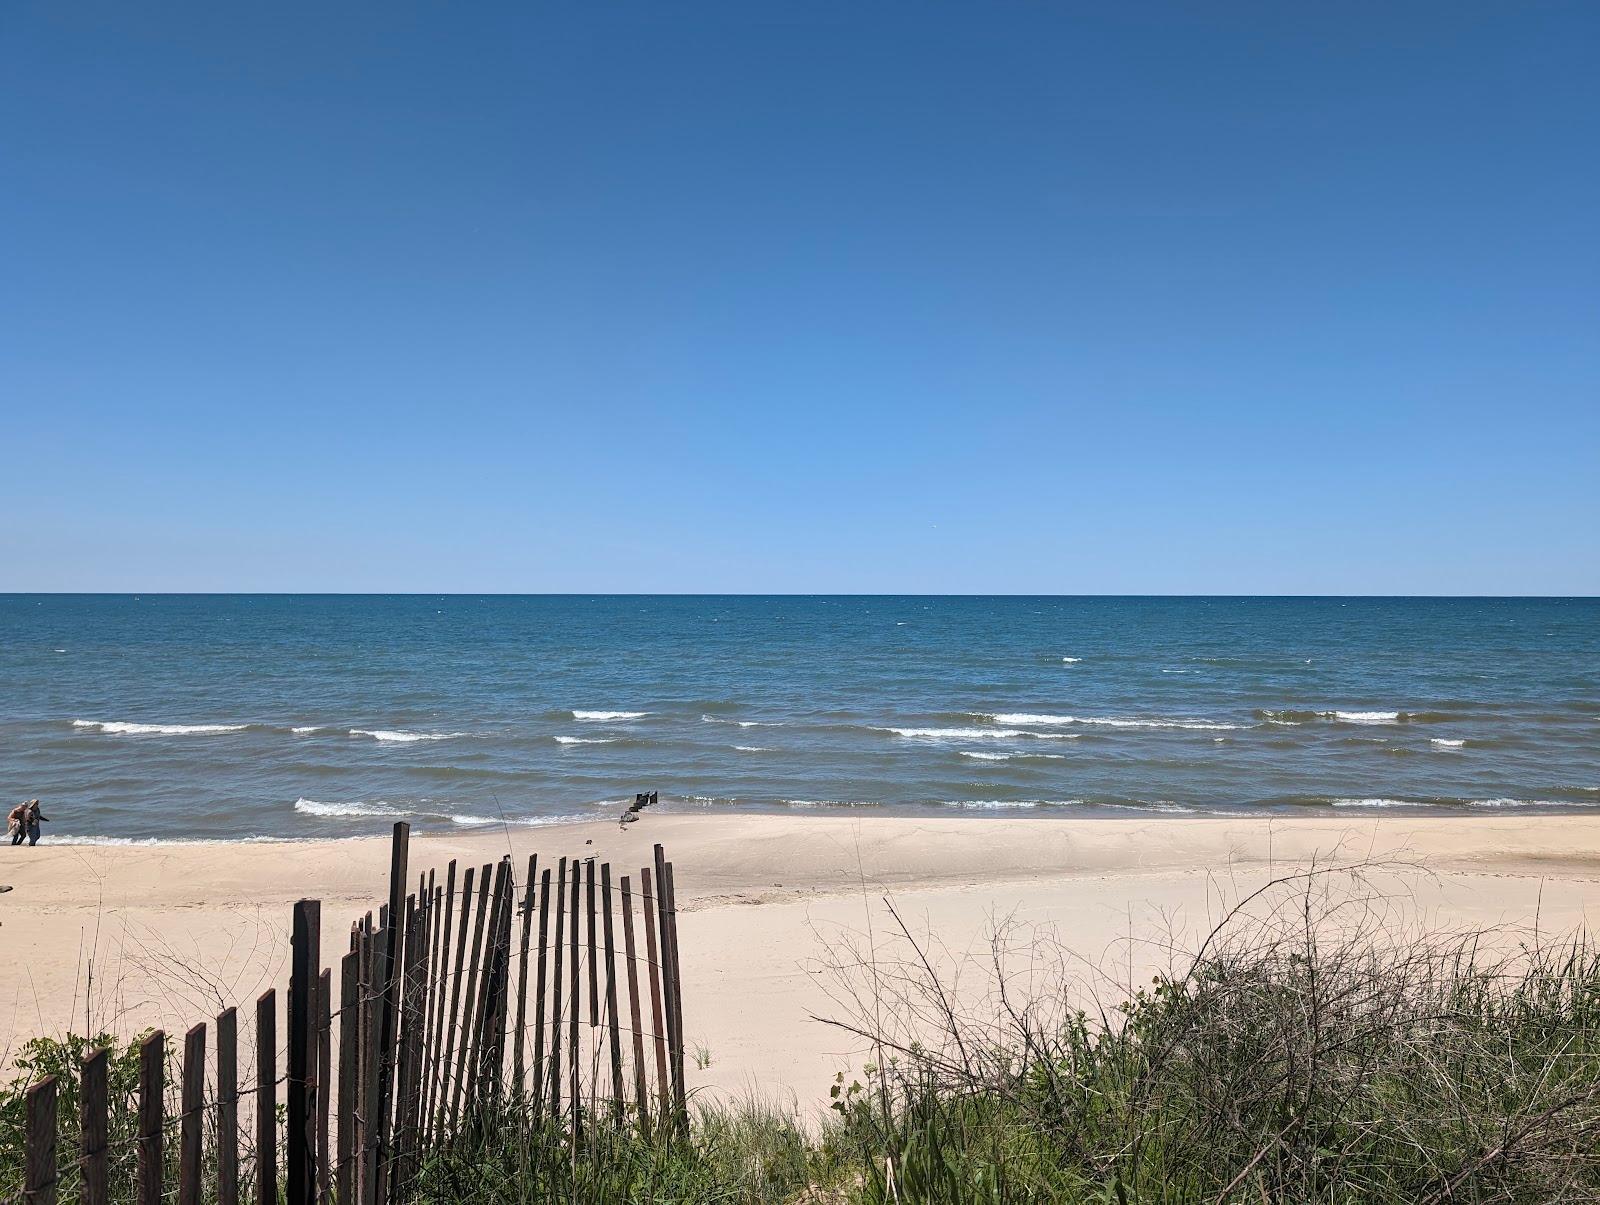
<point>585,740</point>
<point>752,749</point>
<point>1442,743</point>
<point>1070,660</point>
<point>609,715</point>
<point>1291,716</point>
<point>313,807</point>
<point>1525,803</point>
<point>306,730</point>
<point>123,728</point>
<point>1020,717</point>
<point>981,756</point>
<point>713,719</point>
<point>1376,802</point>
<point>831,803</point>
<point>973,734</point>
<point>396,736</point>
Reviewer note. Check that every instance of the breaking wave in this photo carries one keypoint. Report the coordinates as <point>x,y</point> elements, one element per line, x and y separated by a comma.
<point>123,728</point>
<point>609,715</point>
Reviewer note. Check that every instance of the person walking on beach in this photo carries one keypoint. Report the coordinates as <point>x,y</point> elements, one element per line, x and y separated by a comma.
<point>24,821</point>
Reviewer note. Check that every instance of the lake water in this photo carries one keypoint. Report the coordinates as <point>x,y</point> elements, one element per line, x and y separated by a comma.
<point>232,717</point>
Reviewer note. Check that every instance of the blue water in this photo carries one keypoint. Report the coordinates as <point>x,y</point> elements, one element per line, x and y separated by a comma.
<point>271,716</point>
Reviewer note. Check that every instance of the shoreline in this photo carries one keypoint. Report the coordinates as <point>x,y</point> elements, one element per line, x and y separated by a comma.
<point>177,930</point>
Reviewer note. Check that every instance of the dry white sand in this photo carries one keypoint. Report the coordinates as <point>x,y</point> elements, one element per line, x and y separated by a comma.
<point>176,931</point>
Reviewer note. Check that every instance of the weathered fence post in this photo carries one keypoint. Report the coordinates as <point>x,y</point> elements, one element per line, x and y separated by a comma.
<point>539,988</point>
<point>228,1107</point>
<point>574,1093</point>
<point>191,1131</point>
<point>657,974</point>
<point>555,993</point>
<point>152,1083</point>
<point>324,1155</point>
<point>96,1129</point>
<point>617,1093</point>
<point>398,855</point>
<point>39,1171</point>
<point>680,1094</point>
<point>518,1040</point>
<point>641,1092</point>
<point>349,1052</point>
<point>305,975</point>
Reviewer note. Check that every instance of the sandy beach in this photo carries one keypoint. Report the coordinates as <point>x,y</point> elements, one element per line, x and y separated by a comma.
<point>175,931</point>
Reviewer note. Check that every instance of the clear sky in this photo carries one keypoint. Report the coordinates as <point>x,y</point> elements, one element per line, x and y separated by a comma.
<point>989,297</point>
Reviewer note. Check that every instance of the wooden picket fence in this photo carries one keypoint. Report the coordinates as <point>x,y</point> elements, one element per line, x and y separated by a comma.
<point>430,992</point>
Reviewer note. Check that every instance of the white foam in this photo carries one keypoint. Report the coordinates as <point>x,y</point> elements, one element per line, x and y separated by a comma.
<point>473,821</point>
<point>585,740</point>
<point>1009,756</point>
<point>395,736</point>
<point>120,728</point>
<point>752,749</point>
<point>307,730</point>
<point>831,803</point>
<point>1442,743</point>
<point>1070,660</point>
<point>1022,717</point>
<point>313,807</point>
<point>992,804</point>
<point>1365,717</point>
<point>1525,803</point>
<point>972,734</point>
<point>1374,803</point>
<point>609,715</point>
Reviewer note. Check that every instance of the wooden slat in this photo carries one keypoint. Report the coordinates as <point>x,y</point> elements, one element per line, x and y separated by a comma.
<point>227,1132</point>
<point>191,1133</point>
<point>39,1120</point>
<point>445,1078</point>
<point>518,1065</point>
<point>349,1062</point>
<point>484,958</point>
<point>305,974</point>
<point>96,1130</point>
<point>152,1086</point>
<point>679,1089</point>
<point>371,1173</point>
<point>653,970</point>
<point>399,853</point>
<point>539,987</point>
<point>613,1029</point>
<point>438,955</point>
<point>555,992</point>
<point>574,1082</point>
<point>470,991</point>
<point>641,1091</point>
<point>324,1153</point>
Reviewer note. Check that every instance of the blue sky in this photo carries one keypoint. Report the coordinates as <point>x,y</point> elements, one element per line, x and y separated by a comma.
<point>1076,298</point>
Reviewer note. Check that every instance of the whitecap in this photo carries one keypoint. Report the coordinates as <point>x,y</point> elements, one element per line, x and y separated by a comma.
<point>980,756</point>
<point>306,730</point>
<point>1070,660</point>
<point>394,736</point>
<point>1375,803</point>
<point>752,749</point>
<point>991,804</point>
<point>831,803</point>
<point>1525,803</point>
<point>973,734</point>
<point>1020,717</point>
<point>120,728</point>
<point>609,715</point>
<point>585,740</point>
<point>1365,717</point>
<point>313,807</point>
<point>1442,743</point>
